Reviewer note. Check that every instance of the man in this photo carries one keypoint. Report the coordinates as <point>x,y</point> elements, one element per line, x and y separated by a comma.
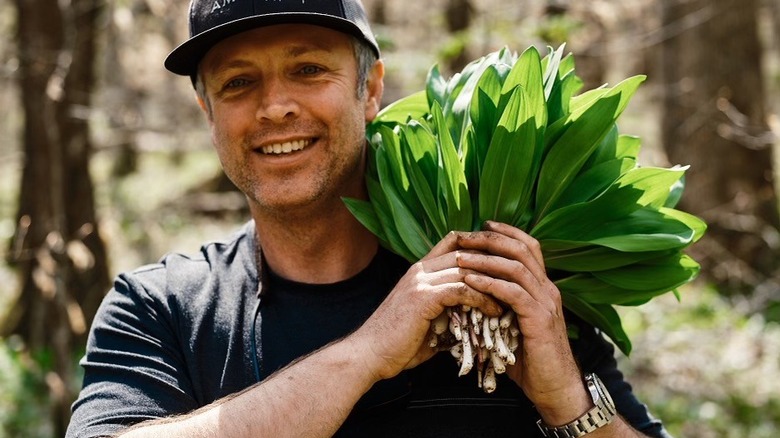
<point>301,325</point>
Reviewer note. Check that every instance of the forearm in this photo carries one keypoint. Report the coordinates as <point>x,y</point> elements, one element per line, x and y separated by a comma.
<point>577,403</point>
<point>618,428</point>
<point>311,397</point>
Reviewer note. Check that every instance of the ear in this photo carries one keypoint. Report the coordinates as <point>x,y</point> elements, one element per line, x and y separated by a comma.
<point>375,86</point>
<point>204,106</point>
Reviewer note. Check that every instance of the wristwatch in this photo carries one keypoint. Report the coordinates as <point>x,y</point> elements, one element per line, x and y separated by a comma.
<point>601,415</point>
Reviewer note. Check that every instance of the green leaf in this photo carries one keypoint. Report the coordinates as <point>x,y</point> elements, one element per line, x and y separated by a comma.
<point>633,284</point>
<point>417,157</point>
<point>436,87</point>
<point>588,258</point>
<point>569,153</point>
<point>365,214</point>
<point>628,146</point>
<point>606,150</point>
<point>452,179</point>
<point>646,229</point>
<point>569,86</point>
<point>421,145</point>
<point>560,84</point>
<point>650,277</point>
<point>624,89</point>
<point>696,224</point>
<point>587,128</point>
<point>527,73</point>
<point>412,234</point>
<point>462,87</point>
<point>601,316</point>
<point>592,181</point>
<point>484,106</point>
<point>656,183</point>
<point>413,106</point>
<point>643,230</point>
<point>382,209</point>
<point>551,64</point>
<point>504,184</point>
<point>567,65</point>
<point>391,152</point>
<point>397,173</point>
<point>635,189</point>
<point>588,287</point>
<point>587,99</point>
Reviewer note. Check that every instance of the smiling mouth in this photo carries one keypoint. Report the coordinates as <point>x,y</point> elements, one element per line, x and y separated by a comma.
<point>285,148</point>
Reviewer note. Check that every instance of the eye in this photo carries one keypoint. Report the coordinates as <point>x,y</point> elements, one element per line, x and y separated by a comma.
<point>235,83</point>
<point>310,70</point>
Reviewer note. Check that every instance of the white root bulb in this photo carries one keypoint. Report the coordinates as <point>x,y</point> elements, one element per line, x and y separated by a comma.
<point>440,324</point>
<point>489,382</point>
<point>467,361</point>
<point>477,341</point>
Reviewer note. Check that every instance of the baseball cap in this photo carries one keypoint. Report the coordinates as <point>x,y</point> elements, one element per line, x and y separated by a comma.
<point>211,21</point>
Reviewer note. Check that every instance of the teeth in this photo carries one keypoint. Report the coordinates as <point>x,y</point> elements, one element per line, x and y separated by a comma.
<point>285,148</point>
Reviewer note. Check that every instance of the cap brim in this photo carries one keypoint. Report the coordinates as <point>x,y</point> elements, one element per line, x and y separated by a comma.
<point>184,60</point>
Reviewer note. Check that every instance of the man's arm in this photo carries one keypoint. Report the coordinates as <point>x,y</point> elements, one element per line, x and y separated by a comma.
<point>310,397</point>
<point>510,267</point>
<point>313,396</point>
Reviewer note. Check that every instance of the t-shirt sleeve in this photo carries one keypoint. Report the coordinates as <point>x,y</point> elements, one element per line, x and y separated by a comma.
<point>597,355</point>
<point>133,366</point>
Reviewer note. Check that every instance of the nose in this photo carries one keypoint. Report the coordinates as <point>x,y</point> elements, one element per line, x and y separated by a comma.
<point>277,101</point>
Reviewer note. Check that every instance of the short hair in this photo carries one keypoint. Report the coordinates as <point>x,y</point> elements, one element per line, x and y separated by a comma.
<point>364,55</point>
<point>366,58</point>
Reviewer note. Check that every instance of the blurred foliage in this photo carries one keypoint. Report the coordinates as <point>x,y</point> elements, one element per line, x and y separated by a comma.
<point>557,29</point>
<point>24,395</point>
<point>704,367</point>
<point>455,46</point>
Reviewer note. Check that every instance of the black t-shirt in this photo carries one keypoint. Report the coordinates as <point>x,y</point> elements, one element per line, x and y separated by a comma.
<point>178,335</point>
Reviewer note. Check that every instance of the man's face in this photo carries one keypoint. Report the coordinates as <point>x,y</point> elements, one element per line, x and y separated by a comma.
<point>285,117</point>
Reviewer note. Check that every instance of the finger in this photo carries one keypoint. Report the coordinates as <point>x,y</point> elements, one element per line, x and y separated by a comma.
<point>461,293</point>
<point>518,234</point>
<point>505,269</point>
<point>507,292</point>
<point>448,243</point>
<point>433,263</point>
<point>499,244</point>
<point>449,276</point>
<point>536,318</point>
<point>447,260</point>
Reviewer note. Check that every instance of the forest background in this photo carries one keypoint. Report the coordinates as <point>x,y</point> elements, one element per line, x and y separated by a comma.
<point>106,164</point>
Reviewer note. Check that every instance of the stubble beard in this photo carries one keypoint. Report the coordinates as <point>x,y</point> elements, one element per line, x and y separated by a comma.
<point>300,196</point>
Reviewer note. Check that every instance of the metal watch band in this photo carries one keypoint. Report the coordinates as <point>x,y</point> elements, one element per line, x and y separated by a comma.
<point>599,416</point>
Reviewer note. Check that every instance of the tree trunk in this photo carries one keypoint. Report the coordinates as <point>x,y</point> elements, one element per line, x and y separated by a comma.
<point>588,42</point>
<point>458,16</point>
<point>57,247</point>
<point>379,13</point>
<point>714,118</point>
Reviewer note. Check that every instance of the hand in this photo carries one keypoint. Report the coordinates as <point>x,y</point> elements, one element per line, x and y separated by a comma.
<point>507,264</point>
<point>395,337</point>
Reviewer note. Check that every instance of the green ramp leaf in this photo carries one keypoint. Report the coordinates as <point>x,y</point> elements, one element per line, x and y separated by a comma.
<point>601,316</point>
<point>504,183</point>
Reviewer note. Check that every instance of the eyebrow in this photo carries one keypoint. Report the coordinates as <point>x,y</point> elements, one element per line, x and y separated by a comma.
<point>292,52</point>
<point>302,49</point>
<point>235,63</point>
